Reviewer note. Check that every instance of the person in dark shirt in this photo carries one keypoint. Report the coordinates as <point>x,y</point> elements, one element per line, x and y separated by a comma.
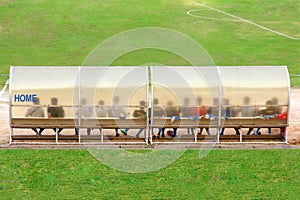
<point>139,113</point>
<point>172,112</point>
<point>55,111</point>
<point>158,112</point>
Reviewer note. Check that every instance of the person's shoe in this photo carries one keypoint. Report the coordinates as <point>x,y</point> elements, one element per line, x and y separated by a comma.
<point>124,132</point>
<point>259,133</point>
<point>117,134</point>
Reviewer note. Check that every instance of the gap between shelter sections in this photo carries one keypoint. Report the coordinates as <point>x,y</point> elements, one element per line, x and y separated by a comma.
<point>237,19</point>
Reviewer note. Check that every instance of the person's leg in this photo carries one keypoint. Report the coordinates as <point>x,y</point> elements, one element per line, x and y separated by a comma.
<point>269,131</point>
<point>200,131</point>
<point>249,131</point>
<point>188,131</point>
<point>207,131</point>
<point>76,131</point>
<point>88,130</point>
<point>174,132</point>
<point>139,132</point>
<point>60,130</point>
<point>159,131</point>
<point>117,134</point>
<point>222,131</point>
<point>163,132</point>
<point>237,131</point>
<point>257,132</point>
<point>125,131</point>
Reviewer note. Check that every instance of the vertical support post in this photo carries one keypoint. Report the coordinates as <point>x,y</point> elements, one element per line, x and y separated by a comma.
<point>289,103</point>
<point>241,135</point>
<point>79,136</point>
<point>286,135</point>
<point>195,134</point>
<point>148,120</point>
<point>56,135</point>
<point>10,104</point>
<point>220,104</point>
<point>101,135</point>
<point>150,126</point>
<point>79,104</point>
<point>10,135</point>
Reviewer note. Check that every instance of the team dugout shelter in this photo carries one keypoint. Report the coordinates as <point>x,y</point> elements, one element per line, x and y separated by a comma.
<point>149,104</point>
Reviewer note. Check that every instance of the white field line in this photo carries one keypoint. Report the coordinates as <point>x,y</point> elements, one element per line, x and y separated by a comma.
<point>190,13</point>
<point>247,21</point>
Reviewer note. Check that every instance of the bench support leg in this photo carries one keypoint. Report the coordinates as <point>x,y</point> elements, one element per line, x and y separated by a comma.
<point>10,135</point>
<point>101,135</point>
<point>56,135</point>
<point>79,136</point>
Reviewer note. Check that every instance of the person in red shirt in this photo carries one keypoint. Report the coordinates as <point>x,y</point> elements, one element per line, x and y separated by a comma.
<point>199,111</point>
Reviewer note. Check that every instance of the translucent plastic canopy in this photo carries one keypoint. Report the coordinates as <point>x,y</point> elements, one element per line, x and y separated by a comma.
<point>91,86</point>
<point>181,86</point>
<point>44,83</point>
<point>255,86</point>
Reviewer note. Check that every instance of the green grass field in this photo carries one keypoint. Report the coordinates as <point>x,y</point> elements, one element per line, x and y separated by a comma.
<point>223,174</point>
<point>62,33</point>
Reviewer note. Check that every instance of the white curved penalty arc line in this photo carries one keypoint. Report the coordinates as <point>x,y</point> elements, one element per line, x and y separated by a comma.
<point>189,12</point>
<point>248,21</point>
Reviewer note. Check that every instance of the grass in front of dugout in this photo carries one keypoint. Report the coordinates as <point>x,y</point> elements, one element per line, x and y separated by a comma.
<point>222,174</point>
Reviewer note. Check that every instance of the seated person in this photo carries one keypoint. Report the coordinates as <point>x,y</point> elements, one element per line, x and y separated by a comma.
<point>117,111</point>
<point>247,110</point>
<point>158,111</point>
<point>85,112</point>
<point>186,111</point>
<point>36,110</point>
<point>55,111</point>
<point>139,113</point>
<point>269,111</point>
<point>101,110</point>
<point>200,111</point>
<point>229,112</point>
<point>174,113</point>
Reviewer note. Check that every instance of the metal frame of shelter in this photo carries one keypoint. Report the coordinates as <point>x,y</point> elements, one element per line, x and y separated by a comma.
<point>218,100</point>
